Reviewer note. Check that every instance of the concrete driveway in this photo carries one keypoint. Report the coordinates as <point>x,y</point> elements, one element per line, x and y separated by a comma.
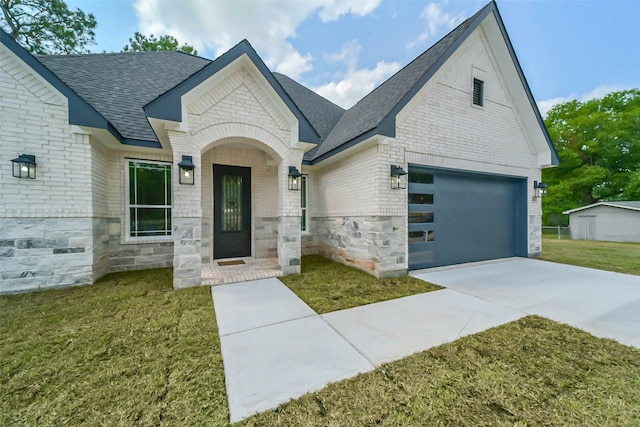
<point>604,303</point>
<point>275,347</point>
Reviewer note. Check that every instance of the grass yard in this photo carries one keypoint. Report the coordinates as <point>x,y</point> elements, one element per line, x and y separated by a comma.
<point>127,350</point>
<point>329,286</point>
<point>132,351</point>
<point>613,256</point>
<point>530,372</point>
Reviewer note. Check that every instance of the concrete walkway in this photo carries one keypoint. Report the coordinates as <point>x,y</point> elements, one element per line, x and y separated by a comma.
<point>275,348</point>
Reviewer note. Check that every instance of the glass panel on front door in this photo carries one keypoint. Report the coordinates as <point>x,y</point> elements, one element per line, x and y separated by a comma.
<point>231,203</point>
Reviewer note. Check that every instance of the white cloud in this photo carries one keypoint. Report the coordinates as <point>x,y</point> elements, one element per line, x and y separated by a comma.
<point>335,9</point>
<point>599,92</point>
<point>351,85</point>
<point>268,25</point>
<point>435,19</point>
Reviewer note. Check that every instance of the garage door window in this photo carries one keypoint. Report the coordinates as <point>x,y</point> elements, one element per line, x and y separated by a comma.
<point>421,217</point>
<point>421,178</point>
<point>422,236</point>
<point>421,199</point>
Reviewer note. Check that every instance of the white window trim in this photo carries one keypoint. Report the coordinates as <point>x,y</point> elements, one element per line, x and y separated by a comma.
<point>305,210</point>
<point>127,206</point>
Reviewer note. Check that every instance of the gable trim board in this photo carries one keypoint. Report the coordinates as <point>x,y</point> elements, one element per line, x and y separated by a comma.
<point>234,112</point>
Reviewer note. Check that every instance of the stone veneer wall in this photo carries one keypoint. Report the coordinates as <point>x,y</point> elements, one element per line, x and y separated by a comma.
<point>136,256</point>
<point>310,239</point>
<point>375,244</point>
<point>42,253</point>
<point>266,237</point>
<point>289,243</point>
<point>101,249</point>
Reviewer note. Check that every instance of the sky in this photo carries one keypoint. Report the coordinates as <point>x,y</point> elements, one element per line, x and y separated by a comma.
<point>343,49</point>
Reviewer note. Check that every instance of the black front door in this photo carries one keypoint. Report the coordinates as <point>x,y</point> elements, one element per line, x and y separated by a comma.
<point>231,211</point>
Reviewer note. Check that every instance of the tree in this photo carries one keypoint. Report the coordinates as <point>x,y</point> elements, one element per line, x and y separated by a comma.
<point>598,142</point>
<point>142,43</point>
<point>47,26</point>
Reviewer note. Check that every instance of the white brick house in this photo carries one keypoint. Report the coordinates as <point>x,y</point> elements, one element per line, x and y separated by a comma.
<point>108,132</point>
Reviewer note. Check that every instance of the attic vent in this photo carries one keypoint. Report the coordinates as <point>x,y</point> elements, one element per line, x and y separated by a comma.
<point>477,92</point>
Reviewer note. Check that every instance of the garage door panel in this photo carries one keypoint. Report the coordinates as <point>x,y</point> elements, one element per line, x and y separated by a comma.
<point>474,218</point>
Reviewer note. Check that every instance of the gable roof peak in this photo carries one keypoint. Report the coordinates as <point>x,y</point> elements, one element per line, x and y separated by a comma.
<point>375,112</point>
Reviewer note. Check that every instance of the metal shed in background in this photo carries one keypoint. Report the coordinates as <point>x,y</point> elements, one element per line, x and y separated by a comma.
<point>611,221</point>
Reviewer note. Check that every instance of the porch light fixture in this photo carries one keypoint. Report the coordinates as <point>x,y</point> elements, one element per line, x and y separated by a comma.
<point>539,189</point>
<point>294,178</point>
<point>398,178</point>
<point>187,171</point>
<point>24,166</point>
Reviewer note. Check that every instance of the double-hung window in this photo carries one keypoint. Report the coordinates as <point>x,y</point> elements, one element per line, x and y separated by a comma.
<point>149,199</point>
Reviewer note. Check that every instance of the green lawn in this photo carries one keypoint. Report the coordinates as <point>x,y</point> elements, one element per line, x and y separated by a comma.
<point>328,286</point>
<point>612,256</point>
<point>128,350</point>
<point>132,351</point>
<point>530,372</point>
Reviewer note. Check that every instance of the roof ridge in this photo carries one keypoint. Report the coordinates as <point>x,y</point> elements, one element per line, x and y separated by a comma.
<point>372,112</point>
<point>84,55</point>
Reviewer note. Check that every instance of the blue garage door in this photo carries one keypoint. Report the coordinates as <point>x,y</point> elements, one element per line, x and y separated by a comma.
<point>457,217</point>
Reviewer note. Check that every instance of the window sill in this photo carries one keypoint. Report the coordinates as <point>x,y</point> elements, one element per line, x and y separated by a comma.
<point>146,240</point>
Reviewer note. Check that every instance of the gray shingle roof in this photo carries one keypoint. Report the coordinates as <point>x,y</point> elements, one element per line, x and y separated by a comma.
<point>118,85</point>
<point>321,113</point>
<point>371,110</point>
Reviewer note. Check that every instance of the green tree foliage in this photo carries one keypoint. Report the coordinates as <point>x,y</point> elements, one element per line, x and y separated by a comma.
<point>598,142</point>
<point>47,26</point>
<point>142,43</point>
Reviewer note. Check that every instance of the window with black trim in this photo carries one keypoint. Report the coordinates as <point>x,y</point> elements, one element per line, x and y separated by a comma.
<point>149,199</point>
<point>478,95</point>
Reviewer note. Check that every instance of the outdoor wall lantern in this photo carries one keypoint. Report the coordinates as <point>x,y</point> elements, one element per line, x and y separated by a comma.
<point>540,189</point>
<point>24,166</point>
<point>294,178</point>
<point>187,170</point>
<point>398,178</point>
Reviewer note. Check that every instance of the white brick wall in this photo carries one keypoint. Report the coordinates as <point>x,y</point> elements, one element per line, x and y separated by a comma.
<point>100,179</point>
<point>35,121</point>
<point>359,184</point>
